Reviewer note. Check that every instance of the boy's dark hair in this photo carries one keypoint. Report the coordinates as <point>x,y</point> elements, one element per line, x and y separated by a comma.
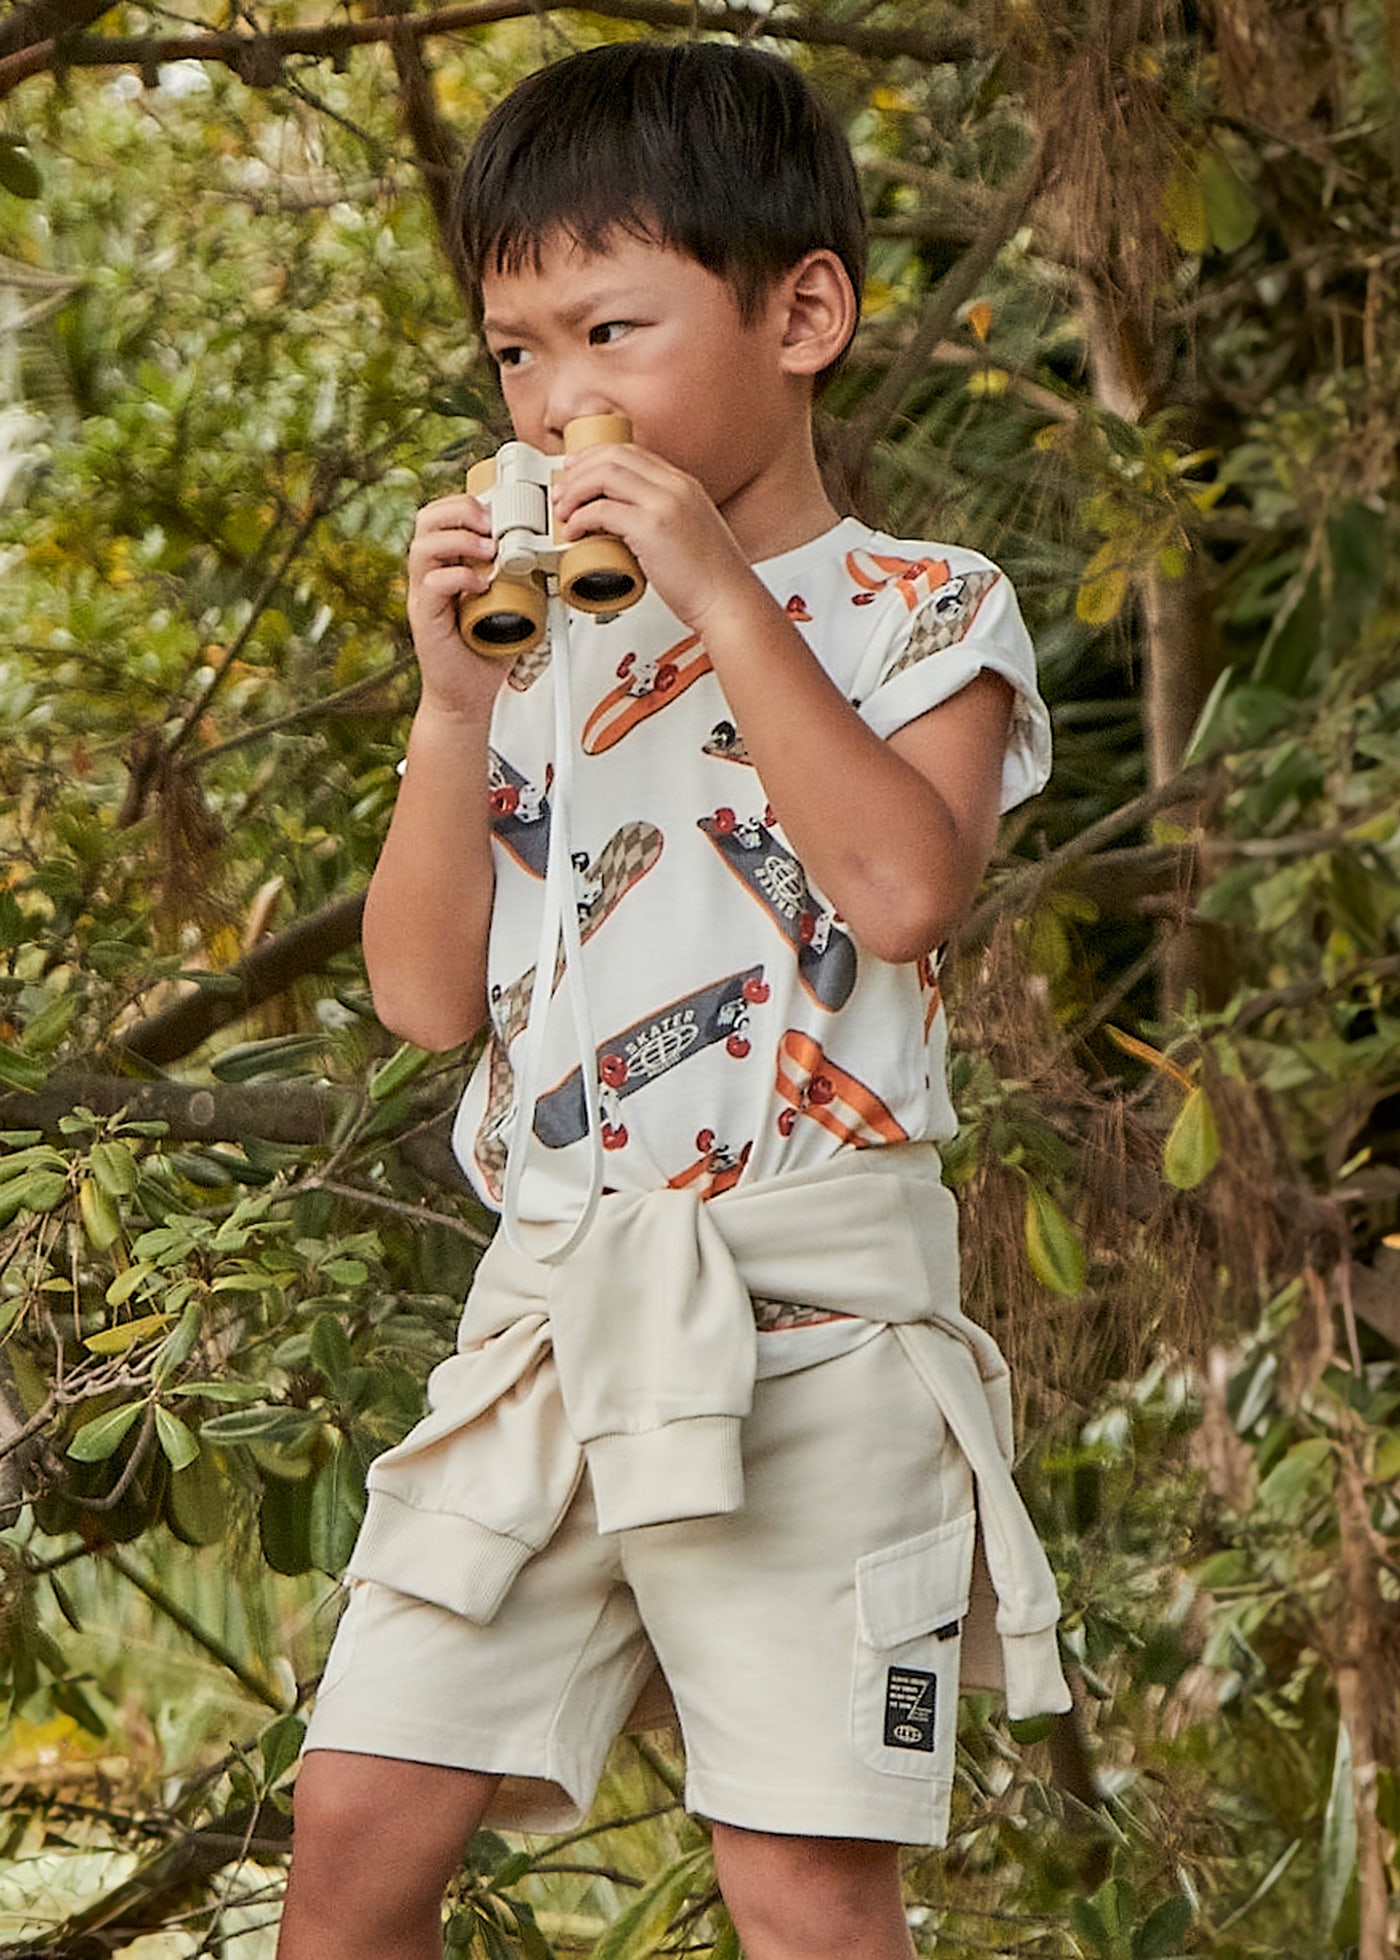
<point>720,152</point>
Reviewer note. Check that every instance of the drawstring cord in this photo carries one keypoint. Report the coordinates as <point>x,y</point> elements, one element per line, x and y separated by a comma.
<point>559,921</point>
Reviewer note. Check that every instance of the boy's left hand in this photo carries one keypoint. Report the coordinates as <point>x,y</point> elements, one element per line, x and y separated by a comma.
<point>674,531</point>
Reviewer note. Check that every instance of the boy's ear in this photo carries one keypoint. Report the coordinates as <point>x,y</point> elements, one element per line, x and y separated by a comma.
<point>819,312</point>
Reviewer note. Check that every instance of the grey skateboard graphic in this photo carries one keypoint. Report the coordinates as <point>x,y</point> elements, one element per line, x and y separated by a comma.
<point>826,955</point>
<point>649,1048</point>
<point>628,855</point>
<point>519,815</point>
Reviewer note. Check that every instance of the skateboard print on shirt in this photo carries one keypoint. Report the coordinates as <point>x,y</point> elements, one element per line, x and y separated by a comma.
<point>913,578</point>
<point>520,814</point>
<point>945,619</point>
<point>627,856</point>
<point>643,687</point>
<point>811,1084</point>
<point>650,1048</point>
<point>718,1168</point>
<point>826,955</point>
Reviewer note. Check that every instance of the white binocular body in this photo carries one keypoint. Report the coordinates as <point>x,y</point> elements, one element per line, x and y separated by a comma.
<point>596,575</point>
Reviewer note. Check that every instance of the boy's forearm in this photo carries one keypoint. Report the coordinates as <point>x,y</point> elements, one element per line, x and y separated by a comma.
<point>428,909</point>
<point>870,829</point>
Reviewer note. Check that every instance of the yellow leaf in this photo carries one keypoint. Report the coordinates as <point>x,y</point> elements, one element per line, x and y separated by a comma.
<point>1192,1148</point>
<point>116,1340</point>
<point>979,318</point>
<point>1184,206</point>
<point>878,298</point>
<point>1100,600</point>
<point>988,381</point>
<point>1052,1244</point>
<point>1154,1057</point>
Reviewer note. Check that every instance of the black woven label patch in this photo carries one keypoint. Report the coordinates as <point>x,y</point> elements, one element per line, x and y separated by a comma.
<point>911,1703</point>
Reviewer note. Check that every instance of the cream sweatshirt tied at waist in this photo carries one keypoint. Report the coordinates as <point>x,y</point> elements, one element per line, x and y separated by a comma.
<point>637,1356</point>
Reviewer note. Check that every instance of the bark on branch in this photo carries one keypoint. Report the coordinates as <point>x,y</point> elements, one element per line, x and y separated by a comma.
<point>258,58</point>
<point>306,947</point>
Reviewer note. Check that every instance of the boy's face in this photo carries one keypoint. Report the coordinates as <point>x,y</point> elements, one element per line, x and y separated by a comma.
<point>644,331</point>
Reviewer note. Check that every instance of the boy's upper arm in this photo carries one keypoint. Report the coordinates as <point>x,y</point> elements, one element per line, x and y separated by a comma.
<point>958,747</point>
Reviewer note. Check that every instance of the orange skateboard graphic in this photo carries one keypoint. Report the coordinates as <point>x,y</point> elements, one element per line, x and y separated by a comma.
<point>813,1085</point>
<point>642,688</point>
<point>718,1168</point>
<point>928,967</point>
<point>913,578</point>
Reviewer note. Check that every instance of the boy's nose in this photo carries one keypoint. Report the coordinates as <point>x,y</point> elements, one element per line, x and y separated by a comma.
<point>568,404</point>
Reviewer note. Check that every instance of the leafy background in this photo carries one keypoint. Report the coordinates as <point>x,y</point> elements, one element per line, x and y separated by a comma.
<point>1132,327</point>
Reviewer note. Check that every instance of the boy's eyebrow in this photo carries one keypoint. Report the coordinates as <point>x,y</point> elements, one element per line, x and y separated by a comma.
<point>569,316</point>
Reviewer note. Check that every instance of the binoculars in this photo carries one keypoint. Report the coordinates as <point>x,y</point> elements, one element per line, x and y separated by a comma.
<point>596,575</point>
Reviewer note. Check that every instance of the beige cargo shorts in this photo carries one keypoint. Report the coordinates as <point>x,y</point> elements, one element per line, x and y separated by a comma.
<point>809,1642</point>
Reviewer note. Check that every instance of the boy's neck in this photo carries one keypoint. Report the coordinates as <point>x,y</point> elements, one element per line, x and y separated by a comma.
<point>785,506</point>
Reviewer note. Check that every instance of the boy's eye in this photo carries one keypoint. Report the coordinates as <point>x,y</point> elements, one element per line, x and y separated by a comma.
<point>509,357</point>
<point>606,332</point>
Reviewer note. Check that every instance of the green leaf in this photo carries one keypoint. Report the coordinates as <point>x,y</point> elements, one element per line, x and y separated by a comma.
<point>103,1436</point>
<point>400,1069</point>
<point>1052,1244</point>
<point>1163,1929</point>
<point>1338,1838</point>
<point>337,1506</point>
<point>637,1932</point>
<point>1192,1148</point>
<point>1228,204</point>
<point>270,1424</point>
<point>1304,1474</point>
<point>282,1055</point>
<point>330,1350</point>
<point>280,1744</point>
<point>20,1071</point>
<point>175,1439</point>
<point>19,175</point>
<point>115,1169</point>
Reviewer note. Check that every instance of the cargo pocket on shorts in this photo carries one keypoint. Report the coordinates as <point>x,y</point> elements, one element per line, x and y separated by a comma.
<point>910,1603</point>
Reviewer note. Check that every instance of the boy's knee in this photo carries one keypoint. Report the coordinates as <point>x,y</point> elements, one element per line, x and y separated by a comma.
<point>813,1895</point>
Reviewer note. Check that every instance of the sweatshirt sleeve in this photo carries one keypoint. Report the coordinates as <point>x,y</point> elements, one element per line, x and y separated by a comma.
<point>969,622</point>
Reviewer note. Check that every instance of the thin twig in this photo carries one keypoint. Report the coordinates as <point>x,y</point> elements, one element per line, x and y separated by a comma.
<point>212,1645</point>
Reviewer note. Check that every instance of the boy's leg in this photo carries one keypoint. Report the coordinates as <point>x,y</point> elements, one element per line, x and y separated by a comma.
<point>796,1898</point>
<point>375,1844</point>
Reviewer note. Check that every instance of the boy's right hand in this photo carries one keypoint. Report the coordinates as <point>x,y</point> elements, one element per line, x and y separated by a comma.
<point>451,554</point>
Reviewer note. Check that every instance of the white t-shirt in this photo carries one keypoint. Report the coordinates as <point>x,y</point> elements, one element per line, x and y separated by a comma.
<point>741,1029</point>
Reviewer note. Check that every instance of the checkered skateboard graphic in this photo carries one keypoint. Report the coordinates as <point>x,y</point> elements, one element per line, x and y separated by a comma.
<point>945,619</point>
<point>811,1084</point>
<point>643,688</point>
<point>627,856</point>
<point>650,1048</point>
<point>529,665</point>
<point>826,955</point>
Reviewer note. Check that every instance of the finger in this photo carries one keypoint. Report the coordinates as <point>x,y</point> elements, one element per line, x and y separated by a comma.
<point>458,510</point>
<point>440,547</point>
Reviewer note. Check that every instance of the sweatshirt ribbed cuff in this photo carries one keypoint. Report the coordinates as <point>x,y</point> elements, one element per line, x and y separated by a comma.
<point>1035,1682</point>
<point>686,1469</point>
<point>436,1555</point>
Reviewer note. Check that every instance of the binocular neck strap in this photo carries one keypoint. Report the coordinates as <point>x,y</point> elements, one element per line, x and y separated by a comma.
<point>558,922</point>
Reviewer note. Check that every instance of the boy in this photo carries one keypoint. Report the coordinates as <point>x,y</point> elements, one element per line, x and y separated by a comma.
<point>736,1432</point>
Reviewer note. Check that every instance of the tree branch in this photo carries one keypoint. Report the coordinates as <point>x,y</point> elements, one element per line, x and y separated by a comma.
<point>306,947</point>
<point>258,58</point>
<point>283,1112</point>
